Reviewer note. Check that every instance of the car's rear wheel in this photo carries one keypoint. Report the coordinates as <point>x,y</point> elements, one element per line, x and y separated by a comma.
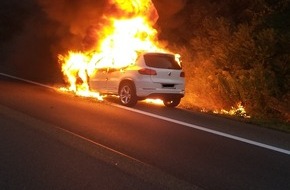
<point>127,94</point>
<point>173,102</point>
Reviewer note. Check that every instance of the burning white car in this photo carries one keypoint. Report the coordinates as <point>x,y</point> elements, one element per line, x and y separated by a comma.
<point>153,75</point>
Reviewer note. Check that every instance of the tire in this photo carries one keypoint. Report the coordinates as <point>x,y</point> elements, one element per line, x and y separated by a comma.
<point>127,94</point>
<point>171,103</point>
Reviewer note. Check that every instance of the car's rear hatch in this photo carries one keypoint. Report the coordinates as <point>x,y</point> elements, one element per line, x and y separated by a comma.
<point>168,70</point>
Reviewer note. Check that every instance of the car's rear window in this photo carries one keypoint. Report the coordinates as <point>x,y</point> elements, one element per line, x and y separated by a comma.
<point>164,61</point>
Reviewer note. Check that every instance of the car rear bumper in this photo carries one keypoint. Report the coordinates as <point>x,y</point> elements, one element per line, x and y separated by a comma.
<point>158,90</point>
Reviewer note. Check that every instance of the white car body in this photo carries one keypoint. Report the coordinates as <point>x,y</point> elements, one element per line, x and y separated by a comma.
<point>153,75</point>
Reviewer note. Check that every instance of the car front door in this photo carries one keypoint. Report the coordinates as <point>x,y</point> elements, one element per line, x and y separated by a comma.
<point>98,82</point>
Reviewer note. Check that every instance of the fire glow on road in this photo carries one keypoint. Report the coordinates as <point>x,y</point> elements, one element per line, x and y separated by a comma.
<point>244,140</point>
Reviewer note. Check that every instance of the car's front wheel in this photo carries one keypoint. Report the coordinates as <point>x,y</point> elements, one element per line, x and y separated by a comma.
<point>171,102</point>
<point>127,94</point>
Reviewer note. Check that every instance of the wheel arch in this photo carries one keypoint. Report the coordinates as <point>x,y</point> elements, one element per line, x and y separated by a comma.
<point>126,80</point>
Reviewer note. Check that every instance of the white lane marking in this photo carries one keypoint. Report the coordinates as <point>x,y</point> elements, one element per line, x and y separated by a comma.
<point>262,145</point>
<point>208,130</point>
<point>28,81</point>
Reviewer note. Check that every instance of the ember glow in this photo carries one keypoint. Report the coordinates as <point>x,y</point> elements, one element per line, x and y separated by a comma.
<point>125,33</point>
<point>239,110</point>
<point>154,101</point>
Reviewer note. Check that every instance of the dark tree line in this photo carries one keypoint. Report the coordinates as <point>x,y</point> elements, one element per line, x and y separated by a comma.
<point>234,51</point>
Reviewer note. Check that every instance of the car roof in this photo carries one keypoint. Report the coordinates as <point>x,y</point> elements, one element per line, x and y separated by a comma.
<point>158,53</point>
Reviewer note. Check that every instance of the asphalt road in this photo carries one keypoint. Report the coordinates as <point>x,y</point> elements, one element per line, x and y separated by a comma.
<point>186,154</point>
<point>34,160</point>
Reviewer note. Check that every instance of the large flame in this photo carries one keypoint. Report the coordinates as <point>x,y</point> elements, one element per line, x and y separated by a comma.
<point>125,33</point>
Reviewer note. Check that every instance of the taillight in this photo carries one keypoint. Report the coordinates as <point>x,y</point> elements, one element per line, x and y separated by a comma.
<point>146,71</point>
<point>182,74</point>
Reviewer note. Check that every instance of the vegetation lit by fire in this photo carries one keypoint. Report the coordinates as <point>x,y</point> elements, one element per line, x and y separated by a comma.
<point>235,51</point>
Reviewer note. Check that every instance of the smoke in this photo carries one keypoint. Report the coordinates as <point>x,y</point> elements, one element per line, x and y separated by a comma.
<point>48,27</point>
<point>24,39</point>
<point>39,30</point>
<point>78,20</point>
<point>169,13</point>
<point>168,8</point>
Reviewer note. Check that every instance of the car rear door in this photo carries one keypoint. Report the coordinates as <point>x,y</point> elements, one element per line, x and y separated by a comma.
<point>114,75</point>
<point>167,76</point>
<point>168,70</point>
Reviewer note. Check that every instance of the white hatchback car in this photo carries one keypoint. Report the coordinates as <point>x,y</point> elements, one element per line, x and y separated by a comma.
<point>153,75</point>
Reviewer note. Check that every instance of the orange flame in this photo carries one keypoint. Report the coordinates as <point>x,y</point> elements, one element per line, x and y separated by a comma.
<point>127,32</point>
<point>239,110</point>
